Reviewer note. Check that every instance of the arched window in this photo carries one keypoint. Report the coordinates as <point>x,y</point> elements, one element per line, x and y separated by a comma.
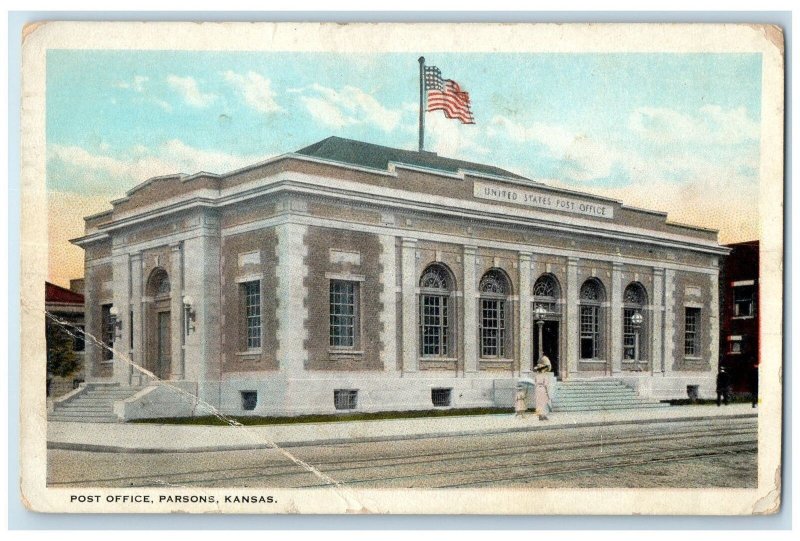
<point>546,293</point>
<point>634,299</point>
<point>159,283</point>
<point>591,297</point>
<point>495,288</point>
<point>435,321</point>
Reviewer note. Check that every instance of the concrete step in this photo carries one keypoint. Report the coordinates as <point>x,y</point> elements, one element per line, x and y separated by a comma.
<point>600,395</point>
<point>67,419</point>
<point>608,407</point>
<point>602,392</point>
<point>84,412</point>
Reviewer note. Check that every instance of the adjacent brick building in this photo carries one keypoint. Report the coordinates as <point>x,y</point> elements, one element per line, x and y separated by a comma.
<point>740,323</point>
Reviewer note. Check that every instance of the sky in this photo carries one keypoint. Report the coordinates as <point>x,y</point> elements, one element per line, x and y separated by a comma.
<point>679,133</point>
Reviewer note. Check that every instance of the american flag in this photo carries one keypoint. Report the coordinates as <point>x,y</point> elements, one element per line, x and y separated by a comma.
<point>446,95</point>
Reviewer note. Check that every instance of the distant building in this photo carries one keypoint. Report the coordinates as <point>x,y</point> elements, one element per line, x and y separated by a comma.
<point>66,305</point>
<point>740,323</point>
<point>353,276</point>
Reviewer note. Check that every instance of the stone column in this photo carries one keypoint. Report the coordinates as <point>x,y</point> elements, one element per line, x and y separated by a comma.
<point>615,314</point>
<point>657,325</point>
<point>137,325</point>
<point>409,295</point>
<point>121,299</point>
<point>526,357</point>
<point>176,311</point>
<point>669,321</point>
<point>388,314</point>
<point>571,316</point>
<point>470,335</point>
<point>291,293</point>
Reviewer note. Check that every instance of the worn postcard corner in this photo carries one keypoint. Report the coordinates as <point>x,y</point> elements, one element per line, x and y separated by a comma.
<point>402,268</point>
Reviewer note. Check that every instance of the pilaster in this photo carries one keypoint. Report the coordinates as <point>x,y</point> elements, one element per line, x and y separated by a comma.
<point>408,286</point>
<point>714,321</point>
<point>657,328</point>
<point>526,357</point>
<point>176,311</point>
<point>571,315</point>
<point>137,353</point>
<point>669,321</point>
<point>291,293</point>
<point>121,299</point>
<point>201,281</point>
<point>615,315</point>
<point>389,303</point>
<point>470,333</point>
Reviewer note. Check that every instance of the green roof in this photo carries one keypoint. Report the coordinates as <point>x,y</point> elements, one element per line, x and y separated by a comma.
<point>362,154</point>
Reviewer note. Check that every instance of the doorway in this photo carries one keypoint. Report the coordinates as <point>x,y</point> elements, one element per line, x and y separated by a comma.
<point>549,344</point>
<point>164,346</point>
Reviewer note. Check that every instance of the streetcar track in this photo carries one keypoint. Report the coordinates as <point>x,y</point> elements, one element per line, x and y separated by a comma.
<point>457,470</point>
<point>702,455</point>
<point>417,458</point>
<point>500,467</point>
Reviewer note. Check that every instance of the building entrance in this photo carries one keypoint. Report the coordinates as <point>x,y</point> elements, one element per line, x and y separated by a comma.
<point>549,344</point>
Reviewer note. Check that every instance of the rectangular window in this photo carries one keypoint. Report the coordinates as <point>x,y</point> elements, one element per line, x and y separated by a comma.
<point>441,397</point>
<point>345,399</point>
<point>434,325</point>
<point>590,332</point>
<point>691,335</point>
<point>107,331</point>
<point>493,331</point>
<point>251,294</point>
<point>130,329</point>
<point>343,313</point>
<point>744,301</point>
<point>734,345</point>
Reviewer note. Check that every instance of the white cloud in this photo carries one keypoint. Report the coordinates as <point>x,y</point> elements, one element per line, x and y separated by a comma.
<point>350,105</point>
<point>255,89</point>
<point>188,89</point>
<point>327,113</point>
<point>136,84</point>
<point>163,104</point>
<point>452,139</point>
<point>74,169</point>
<point>583,157</point>
<point>712,125</point>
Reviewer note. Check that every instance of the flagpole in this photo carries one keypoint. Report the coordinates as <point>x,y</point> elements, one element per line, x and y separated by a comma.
<point>421,103</point>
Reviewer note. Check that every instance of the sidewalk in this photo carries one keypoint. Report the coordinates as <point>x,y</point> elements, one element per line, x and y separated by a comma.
<point>153,438</point>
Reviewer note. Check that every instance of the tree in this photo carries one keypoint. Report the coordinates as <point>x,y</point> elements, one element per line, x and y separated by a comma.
<point>62,361</point>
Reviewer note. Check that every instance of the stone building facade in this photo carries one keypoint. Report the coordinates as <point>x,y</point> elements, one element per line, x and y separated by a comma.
<point>348,275</point>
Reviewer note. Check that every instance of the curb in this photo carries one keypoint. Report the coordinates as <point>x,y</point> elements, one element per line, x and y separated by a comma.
<point>96,448</point>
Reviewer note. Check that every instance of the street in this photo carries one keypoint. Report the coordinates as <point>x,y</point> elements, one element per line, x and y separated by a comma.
<point>686,454</point>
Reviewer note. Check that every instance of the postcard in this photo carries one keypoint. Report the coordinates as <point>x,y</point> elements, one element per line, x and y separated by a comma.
<point>402,268</point>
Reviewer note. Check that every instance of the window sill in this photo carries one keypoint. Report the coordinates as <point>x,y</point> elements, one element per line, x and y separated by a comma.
<point>494,360</point>
<point>596,361</point>
<point>693,359</point>
<point>346,352</point>
<point>743,317</point>
<point>248,353</point>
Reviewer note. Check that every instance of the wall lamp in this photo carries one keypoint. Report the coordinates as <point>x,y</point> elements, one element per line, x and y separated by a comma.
<point>115,321</point>
<point>189,313</point>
